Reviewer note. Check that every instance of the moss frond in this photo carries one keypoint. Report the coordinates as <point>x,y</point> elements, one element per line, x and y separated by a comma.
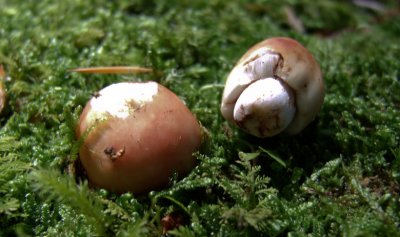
<point>338,177</point>
<point>54,186</point>
<point>182,231</point>
<point>137,228</point>
<point>9,206</point>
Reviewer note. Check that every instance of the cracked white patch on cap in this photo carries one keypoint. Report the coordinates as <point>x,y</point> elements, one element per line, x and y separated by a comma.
<point>117,100</point>
<point>265,108</point>
<point>259,65</point>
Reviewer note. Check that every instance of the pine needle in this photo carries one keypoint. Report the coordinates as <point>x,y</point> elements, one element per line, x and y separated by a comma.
<point>113,70</point>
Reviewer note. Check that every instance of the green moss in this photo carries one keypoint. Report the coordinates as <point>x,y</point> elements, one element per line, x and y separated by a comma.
<point>338,177</point>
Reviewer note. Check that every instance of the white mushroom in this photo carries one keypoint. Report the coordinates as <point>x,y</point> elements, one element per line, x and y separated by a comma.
<point>275,87</point>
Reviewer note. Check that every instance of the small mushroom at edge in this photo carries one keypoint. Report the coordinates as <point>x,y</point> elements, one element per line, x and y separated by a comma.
<point>275,87</point>
<point>3,94</point>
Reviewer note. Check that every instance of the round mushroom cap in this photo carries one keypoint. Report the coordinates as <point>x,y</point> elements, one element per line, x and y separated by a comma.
<point>136,136</point>
<point>301,72</point>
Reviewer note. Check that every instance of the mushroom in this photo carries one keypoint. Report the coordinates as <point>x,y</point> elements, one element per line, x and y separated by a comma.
<point>136,136</point>
<point>3,94</point>
<point>275,87</point>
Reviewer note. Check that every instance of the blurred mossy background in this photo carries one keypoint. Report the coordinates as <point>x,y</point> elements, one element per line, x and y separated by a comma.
<point>339,177</point>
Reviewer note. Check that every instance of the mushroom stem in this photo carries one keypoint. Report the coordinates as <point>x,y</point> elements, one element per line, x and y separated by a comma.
<point>260,64</point>
<point>265,108</point>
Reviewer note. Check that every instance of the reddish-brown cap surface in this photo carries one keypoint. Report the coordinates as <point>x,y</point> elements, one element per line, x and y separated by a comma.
<point>140,150</point>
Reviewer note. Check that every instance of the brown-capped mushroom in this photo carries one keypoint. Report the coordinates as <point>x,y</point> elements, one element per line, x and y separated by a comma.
<point>275,87</point>
<point>136,136</point>
<point>3,94</point>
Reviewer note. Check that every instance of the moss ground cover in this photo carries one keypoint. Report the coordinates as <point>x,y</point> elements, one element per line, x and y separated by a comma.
<point>340,176</point>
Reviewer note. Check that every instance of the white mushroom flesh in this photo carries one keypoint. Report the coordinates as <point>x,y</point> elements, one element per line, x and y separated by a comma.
<point>265,108</point>
<point>261,64</point>
<point>120,100</point>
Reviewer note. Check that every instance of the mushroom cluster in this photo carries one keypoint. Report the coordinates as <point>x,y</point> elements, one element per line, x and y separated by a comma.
<point>136,136</point>
<point>275,87</point>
